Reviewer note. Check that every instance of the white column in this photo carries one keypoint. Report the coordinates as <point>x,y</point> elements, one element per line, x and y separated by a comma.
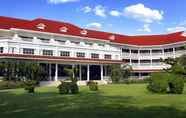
<point>139,75</point>
<point>80,72</point>
<point>88,72</point>
<point>174,53</point>
<point>5,49</point>
<point>130,54</point>
<point>139,58</point>
<point>50,78</point>
<point>73,66</point>
<point>56,72</point>
<point>101,72</point>
<point>163,53</point>
<point>151,57</point>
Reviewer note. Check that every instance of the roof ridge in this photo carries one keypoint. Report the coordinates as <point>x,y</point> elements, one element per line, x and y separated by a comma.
<point>14,18</point>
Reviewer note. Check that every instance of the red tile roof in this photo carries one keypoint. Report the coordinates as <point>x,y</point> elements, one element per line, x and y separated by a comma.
<point>54,27</point>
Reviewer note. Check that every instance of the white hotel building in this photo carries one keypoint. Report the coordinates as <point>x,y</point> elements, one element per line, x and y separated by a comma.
<point>56,45</point>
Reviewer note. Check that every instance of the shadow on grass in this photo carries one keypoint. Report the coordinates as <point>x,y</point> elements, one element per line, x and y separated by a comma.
<point>82,105</point>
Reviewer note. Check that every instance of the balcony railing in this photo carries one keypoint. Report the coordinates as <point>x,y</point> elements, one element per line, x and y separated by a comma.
<point>5,37</point>
<point>27,39</point>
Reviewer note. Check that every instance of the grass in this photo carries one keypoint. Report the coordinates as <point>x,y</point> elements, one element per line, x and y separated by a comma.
<point>118,101</point>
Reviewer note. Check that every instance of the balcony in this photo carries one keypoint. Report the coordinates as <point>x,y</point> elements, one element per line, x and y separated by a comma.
<point>148,66</point>
<point>168,54</point>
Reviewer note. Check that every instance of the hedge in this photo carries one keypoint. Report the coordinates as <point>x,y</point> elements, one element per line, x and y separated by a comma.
<point>11,84</point>
<point>166,83</point>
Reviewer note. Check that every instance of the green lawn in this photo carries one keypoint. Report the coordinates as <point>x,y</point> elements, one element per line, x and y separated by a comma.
<point>111,101</point>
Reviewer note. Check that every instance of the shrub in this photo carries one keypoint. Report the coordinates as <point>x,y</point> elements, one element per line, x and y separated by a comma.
<point>74,88</point>
<point>176,84</point>
<point>136,81</point>
<point>11,84</point>
<point>93,86</point>
<point>30,86</point>
<point>158,82</point>
<point>64,87</point>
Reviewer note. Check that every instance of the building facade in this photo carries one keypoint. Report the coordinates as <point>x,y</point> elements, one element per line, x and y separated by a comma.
<point>56,45</point>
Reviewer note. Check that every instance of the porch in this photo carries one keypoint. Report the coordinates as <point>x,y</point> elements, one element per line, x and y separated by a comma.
<point>55,72</point>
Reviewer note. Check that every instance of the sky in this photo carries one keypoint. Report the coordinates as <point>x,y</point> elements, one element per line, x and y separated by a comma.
<point>128,17</point>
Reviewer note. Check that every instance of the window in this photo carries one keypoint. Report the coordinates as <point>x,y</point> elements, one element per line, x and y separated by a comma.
<point>126,60</point>
<point>75,42</point>
<point>144,51</point>
<point>48,52</point>
<point>64,53</point>
<point>11,50</point>
<point>80,54</point>
<point>44,40</point>
<point>87,43</point>
<point>107,56</point>
<point>168,50</point>
<point>28,51</point>
<point>95,56</point>
<point>125,50</point>
<point>134,61</point>
<point>84,32</point>
<point>1,49</point>
<point>101,45</point>
<point>144,62</point>
<point>63,29</point>
<point>134,51</point>
<point>26,38</point>
<point>157,51</point>
<point>41,26</point>
<point>112,37</point>
<point>156,61</point>
<point>60,41</point>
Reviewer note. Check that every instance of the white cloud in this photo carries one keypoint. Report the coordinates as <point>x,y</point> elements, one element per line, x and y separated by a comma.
<point>142,13</point>
<point>146,28</point>
<point>180,27</point>
<point>94,25</point>
<point>176,29</point>
<point>115,13</point>
<point>86,9</point>
<point>61,1</point>
<point>100,11</point>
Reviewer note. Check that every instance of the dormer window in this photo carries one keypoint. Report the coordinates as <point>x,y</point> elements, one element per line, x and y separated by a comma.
<point>112,37</point>
<point>84,32</point>
<point>41,26</point>
<point>63,29</point>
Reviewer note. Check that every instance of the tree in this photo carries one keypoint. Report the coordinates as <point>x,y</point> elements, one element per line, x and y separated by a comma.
<point>177,65</point>
<point>126,70</point>
<point>71,72</point>
<point>19,69</point>
<point>119,72</point>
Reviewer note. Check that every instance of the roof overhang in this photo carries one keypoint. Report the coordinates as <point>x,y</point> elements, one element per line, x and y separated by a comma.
<point>58,59</point>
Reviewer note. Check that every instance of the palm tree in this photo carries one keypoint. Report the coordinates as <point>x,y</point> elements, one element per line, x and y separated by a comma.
<point>71,72</point>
